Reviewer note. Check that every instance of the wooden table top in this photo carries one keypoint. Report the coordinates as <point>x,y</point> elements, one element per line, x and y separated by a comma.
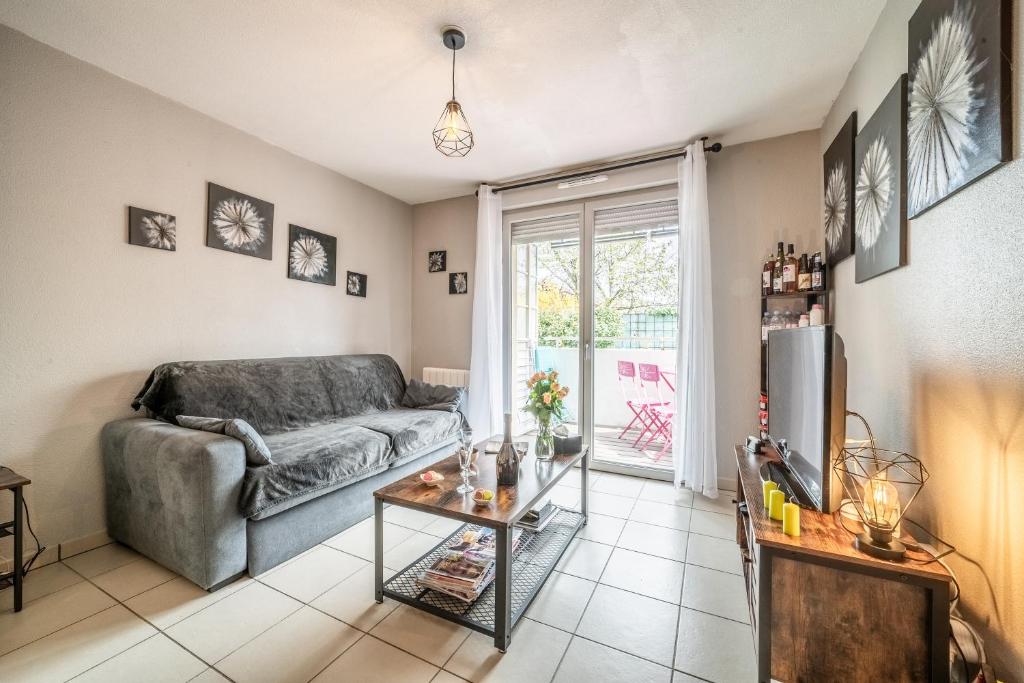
<point>9,479</point>
<point>821,534</point>
<point>510,503</point>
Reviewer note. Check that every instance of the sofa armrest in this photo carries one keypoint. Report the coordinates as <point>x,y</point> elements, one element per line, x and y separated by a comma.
<point>172,494</point>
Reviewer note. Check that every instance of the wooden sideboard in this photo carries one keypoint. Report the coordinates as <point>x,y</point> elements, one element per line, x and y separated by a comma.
<point>823,611</point>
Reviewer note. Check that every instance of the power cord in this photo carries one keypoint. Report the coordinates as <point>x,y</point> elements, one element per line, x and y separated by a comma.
<point>28,524</point>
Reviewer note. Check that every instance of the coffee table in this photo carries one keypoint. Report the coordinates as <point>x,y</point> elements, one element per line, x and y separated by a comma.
<point>519,575</point>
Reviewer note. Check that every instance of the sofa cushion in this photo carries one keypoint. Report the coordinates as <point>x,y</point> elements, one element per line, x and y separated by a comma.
<point>322,457</point>
<point>433,396</point>
<point>256,451</point>
<point>411,430</point>
<point>273,394</point>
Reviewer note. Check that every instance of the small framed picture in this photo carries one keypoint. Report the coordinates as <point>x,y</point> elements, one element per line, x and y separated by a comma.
<point>355,284</point>
<point>458,283</point>
<point>152,229</point>
<point>437,262</point>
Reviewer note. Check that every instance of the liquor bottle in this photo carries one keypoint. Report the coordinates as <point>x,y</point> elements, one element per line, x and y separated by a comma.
<point>766,276</point>
<point>789,272</point>
<point>803,278</point>
<point>817,279</point>
<point>777,271</point>
<point>507,460</point>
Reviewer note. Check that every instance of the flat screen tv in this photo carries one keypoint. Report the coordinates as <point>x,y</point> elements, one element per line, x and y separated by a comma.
<point>807,408</point>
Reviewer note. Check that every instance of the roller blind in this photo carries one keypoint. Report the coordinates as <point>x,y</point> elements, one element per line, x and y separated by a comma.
<point>655,217</point>
<point>550,229</point>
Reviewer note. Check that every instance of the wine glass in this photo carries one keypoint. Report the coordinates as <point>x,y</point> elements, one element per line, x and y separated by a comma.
<point>465,460</point>
<point>466,439</point>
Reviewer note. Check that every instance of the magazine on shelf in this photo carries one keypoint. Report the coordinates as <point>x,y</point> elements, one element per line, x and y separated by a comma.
<point>466,569</point>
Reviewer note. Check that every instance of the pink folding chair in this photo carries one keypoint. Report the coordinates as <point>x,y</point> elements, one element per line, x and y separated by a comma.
<point>658,409</point>
<point>631,395</point>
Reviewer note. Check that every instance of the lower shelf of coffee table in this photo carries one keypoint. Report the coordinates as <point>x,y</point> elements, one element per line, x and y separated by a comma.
<point>532,563</point>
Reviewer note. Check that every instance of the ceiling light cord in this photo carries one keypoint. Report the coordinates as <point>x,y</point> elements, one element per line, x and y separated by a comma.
<point>453,74</point>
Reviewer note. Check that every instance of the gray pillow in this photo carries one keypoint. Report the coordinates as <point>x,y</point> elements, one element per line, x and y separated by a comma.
<point>256,451</point>
<point>433,396</point>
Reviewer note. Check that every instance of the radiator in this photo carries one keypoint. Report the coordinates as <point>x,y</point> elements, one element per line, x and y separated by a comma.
<point>446,376</point>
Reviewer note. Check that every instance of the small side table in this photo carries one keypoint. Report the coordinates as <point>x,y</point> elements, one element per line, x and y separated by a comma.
<point>13,482</point>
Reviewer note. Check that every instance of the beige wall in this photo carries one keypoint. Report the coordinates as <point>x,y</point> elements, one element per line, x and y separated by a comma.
<point>84,316</point>
<point>759,193</point>
<point>441,322</point>
<point>936,362</point>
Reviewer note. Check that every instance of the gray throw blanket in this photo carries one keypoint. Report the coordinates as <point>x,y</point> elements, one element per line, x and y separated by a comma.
<point>433,396</point>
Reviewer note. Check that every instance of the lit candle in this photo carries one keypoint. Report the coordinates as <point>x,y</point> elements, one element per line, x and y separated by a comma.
<point>776,499</point>
<point>791,519</point>
<point>768,487</point>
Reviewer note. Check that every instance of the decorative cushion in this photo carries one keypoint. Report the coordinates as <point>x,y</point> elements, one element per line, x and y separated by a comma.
<point>433,396</point>
<point>256,451</point>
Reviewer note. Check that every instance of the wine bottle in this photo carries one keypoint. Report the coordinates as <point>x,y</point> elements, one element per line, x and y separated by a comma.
<point>766,276</point>
<point>507,461</point>
<point>817,281</point>
<point>777,271</point>
<point>789,272</point>
<point>803,278</point>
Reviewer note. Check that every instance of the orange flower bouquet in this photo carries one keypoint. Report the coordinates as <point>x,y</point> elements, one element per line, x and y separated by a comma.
<point>546,400</point>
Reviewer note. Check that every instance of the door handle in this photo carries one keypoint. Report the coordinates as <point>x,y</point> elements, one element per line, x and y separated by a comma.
<point>586,350</point>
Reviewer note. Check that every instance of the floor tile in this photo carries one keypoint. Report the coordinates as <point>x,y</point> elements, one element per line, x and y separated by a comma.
<point>715,592</point>
<point>723,504</point>
<point>714,553</point>
<point>533,656</point>
<point>155,660</point>
<point>359,539</point>
<point>51,613</point>
<point>699,649</point>
<point>634,623</point>
<point>680,677</point>
<point>296,649</point>
<point>353,602</point>
<point>566,496</point>
<point>169,603</point>
<point>102,559</point>
<point>661,514</point>
<point>618,484</point>
<point>314,573</point>
<point>374,661</point>
<point>647,575</point>
<point>133,578</point>
<point>586,662</point>
<point>572,479</point>
<point>609,504</point>
<point>422,634</point>
<point>40,583</point>
<point>665,492</point>
<point>209,676</point>
<point>446,677</point>
<point>224,626</point>
<point>407,517</point>
<point>654,540</point>
<point>442,527</point>
<point>584,559</point>
<point>409,550</point>
<point>713,524</point>
<point>77,648</point>
<point>602,529</point>
<point>561,601</point>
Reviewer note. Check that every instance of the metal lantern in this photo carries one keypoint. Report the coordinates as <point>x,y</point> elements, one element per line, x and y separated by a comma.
<point>881,484</point>
<point>452,134</point>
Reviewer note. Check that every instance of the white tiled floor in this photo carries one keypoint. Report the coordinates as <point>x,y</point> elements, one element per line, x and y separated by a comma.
<point>650,591</point>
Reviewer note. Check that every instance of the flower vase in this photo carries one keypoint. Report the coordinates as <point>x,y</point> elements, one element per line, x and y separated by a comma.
<point>544,447</point>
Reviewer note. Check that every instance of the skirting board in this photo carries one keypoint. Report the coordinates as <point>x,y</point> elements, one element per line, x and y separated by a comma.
<point>57,552</point>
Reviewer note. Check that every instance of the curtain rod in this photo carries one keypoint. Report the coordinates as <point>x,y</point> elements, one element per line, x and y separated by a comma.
<point>614,166</point>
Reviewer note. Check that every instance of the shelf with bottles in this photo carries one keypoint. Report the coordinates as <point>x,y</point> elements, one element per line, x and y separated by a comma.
<point>795,295</point>
<point>783,274</point>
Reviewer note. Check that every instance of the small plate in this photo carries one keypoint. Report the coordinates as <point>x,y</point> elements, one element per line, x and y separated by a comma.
<point>437,478</point>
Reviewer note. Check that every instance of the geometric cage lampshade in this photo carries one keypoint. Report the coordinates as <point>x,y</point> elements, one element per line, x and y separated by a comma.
<point>881,485</point>
<point>452,134</point>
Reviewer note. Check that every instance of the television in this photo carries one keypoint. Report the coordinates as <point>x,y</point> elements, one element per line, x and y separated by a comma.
<point>807,408</point>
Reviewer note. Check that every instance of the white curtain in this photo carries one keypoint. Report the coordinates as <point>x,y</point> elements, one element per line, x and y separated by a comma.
<point>693,428</point>
<point>485,365</point>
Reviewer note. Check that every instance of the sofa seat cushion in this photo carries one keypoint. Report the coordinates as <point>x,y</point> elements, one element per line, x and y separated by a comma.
<point>410,430</point>
<point>323,457</point>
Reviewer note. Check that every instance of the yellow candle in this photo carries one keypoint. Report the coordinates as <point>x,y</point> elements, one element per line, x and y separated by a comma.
<point>791,519</point>
<point>776,499</point>
<point>768,487</point>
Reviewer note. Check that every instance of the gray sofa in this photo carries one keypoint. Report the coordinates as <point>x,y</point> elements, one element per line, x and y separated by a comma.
<point>336,428</point>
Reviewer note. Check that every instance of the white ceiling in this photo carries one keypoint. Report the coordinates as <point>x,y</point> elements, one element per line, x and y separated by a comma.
<point>358,85</point>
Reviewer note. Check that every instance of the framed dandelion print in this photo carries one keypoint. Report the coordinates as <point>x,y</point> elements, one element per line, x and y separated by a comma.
<point>355,284</point>
<point>311,256</point>
<point>437,261</point>
<point>239,223</point>
<point>152,229</point>
<point>958,112</point>
<point>458,283</point>
<point>838,218</point>
<point>880,198</point>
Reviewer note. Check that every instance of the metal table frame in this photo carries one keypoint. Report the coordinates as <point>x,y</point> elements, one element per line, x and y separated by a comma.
<point>504,620</point>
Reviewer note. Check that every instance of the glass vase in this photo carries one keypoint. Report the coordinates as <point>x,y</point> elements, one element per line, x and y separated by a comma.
<point>544,447</point>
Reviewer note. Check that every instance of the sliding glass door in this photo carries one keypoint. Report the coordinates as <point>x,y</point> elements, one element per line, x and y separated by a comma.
<point>593,294</point>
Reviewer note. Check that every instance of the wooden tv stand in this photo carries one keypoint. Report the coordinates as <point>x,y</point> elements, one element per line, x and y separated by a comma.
<point>823,611</point>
